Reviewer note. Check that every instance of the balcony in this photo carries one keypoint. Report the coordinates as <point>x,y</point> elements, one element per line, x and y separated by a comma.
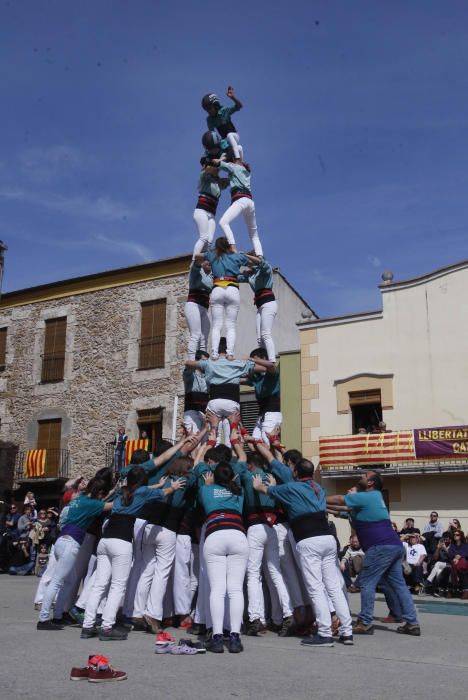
<point>53,367</point>
<point>57,466</point>
<point>407,452</point>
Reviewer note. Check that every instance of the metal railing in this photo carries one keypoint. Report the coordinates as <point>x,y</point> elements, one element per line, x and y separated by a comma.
<point>152,351</point>
<point>111,457</point>
<point>57,465</point>
<point>439,466</point>
<point>53,367</point>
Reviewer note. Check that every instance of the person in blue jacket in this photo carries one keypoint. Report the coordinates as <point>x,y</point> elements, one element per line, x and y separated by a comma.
<point>225,552</point>
<point>305,503</point>
<point>225,298</point>
<point>114,552</point>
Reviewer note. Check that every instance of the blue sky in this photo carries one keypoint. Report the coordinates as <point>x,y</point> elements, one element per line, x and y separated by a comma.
<point>354,123</point>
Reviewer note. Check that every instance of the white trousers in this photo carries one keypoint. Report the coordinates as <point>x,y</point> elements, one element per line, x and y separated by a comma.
<point>206,225</point>
<point>65,554</point>
<point>193,421</point>
<point>264,320</point>
<point>318,563</point>
<point>114,561</point>
<point>225,304</point>
<point>263,541</point>
<point>202,609</point>
<point>438,567</point>
<point>226,553</point>
<point>223,408</point>
<point>158,551</point>
<point>135,573</point>
<point>185,576</point>
<point>246,207</point>
<point>69,592</point>
<point>198,323</point>
<point>265,424</point>
<point>234,141</point>
<point>88,583</point>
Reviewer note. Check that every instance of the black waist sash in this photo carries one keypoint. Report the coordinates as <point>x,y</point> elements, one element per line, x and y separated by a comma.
<point>225,391</point>
<point>310,525</point>
<point>120,526</point>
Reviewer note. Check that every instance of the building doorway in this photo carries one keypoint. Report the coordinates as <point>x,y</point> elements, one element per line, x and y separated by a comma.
<point>366,409</point>
<point>149,421</point>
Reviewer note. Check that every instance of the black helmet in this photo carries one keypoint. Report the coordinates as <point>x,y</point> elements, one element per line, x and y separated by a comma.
<point>210,140</point>
<point>210,100</point>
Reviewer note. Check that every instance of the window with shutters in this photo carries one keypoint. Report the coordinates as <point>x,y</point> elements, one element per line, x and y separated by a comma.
<point>53,358</point>
<point>49,438</point>
<point>3,339</point>
<point>249,411</point>
<point>153,334</point>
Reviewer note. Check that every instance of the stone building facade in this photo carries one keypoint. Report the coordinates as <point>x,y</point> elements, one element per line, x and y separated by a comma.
<point>103,385</point>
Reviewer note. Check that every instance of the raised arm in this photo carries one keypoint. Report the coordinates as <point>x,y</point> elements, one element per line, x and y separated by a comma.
<point>336,501</point>
<point>230,94</point>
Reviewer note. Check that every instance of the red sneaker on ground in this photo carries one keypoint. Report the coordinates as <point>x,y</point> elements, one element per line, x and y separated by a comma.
<point>164,637</point>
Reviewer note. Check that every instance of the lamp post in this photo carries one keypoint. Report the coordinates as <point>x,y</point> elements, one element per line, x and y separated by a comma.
<point>3,248</point>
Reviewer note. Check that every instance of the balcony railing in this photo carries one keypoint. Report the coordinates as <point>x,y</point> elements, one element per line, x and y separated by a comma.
<point>57,465</point>
<point>152,352</point>
<point>111,457</point>
<point>53,367</point>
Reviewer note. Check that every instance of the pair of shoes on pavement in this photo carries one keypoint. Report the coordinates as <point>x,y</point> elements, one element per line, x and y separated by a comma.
<point>49,625</point>
<point>105,634</point>
<point>199,646</point>
<point>98,670</point>
<point>176,649</point>
<point>234,644</point>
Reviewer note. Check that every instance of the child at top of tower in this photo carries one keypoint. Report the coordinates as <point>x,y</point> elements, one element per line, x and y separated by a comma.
<point>219,120</point>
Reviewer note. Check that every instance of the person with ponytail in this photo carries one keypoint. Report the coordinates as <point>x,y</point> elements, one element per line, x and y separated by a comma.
<point>225,298</point>
<point>114,552</point>
<point>225,552</point>
<point>82,512</point>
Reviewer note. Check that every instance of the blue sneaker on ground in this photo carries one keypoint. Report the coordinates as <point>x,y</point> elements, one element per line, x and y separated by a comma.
<point>235,644</point>
<point>317,641</point>
<point>216,644</point>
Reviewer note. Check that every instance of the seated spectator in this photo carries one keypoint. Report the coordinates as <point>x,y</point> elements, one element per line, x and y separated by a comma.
<point>42,560</point>
<point>352,558</point>
<point>26,521</point>
<point>409,528</point>
<point>434,525</point>
<point>21,561</point>
<point>11,521</point>
<point>415,555</point>
<point>454,524</point>
<point>437,581</point>
<point>458,555</point>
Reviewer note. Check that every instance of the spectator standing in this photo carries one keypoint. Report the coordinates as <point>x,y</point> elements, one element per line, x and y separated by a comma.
<point>384,553</point>
<point>120,440</point>
<point>42,559</point>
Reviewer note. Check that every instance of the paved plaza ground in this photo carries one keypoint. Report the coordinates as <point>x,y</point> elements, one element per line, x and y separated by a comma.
<point>386,665</point>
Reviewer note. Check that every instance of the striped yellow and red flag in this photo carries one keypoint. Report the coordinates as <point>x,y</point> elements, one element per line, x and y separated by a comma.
<point>132,445</point>
<point>365,449</point>
<point>35,463</point>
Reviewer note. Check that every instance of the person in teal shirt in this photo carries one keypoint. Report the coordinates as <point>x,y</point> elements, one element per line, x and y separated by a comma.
<point>209,192</point>
<point>219,120</point>
<point>260,279</point>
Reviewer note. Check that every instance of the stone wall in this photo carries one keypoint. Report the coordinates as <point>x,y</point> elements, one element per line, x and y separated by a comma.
<point>103,387</point>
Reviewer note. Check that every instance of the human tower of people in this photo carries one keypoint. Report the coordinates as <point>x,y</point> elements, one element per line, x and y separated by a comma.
<point>183,529</point>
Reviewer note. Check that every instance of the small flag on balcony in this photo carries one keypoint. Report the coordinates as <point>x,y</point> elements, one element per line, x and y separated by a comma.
<point>35,463</point>
<point>132,445</point>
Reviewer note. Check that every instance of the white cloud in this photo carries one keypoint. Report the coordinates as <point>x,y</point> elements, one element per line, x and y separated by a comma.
<point>118,246</point>
<point>103,208</point>
<point>374,261</point>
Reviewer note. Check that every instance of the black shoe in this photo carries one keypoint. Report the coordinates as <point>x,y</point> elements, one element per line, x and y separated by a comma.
<point>253,628</point>
<point>208,636</point>
<point>412,630</point>
<point>48,625</point>
<point>216,644</point>
<point>196,629</point>
<point>347,640</point>
<point>68,620</point>
<point>112,634</point>
<point>88,632</point>
<point>199,646</point>
<point>139,624</point>
<point>288,623</point>
<point>235,644</point>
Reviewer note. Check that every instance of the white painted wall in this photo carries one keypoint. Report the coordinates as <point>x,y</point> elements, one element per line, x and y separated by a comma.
<point>422,339</point>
